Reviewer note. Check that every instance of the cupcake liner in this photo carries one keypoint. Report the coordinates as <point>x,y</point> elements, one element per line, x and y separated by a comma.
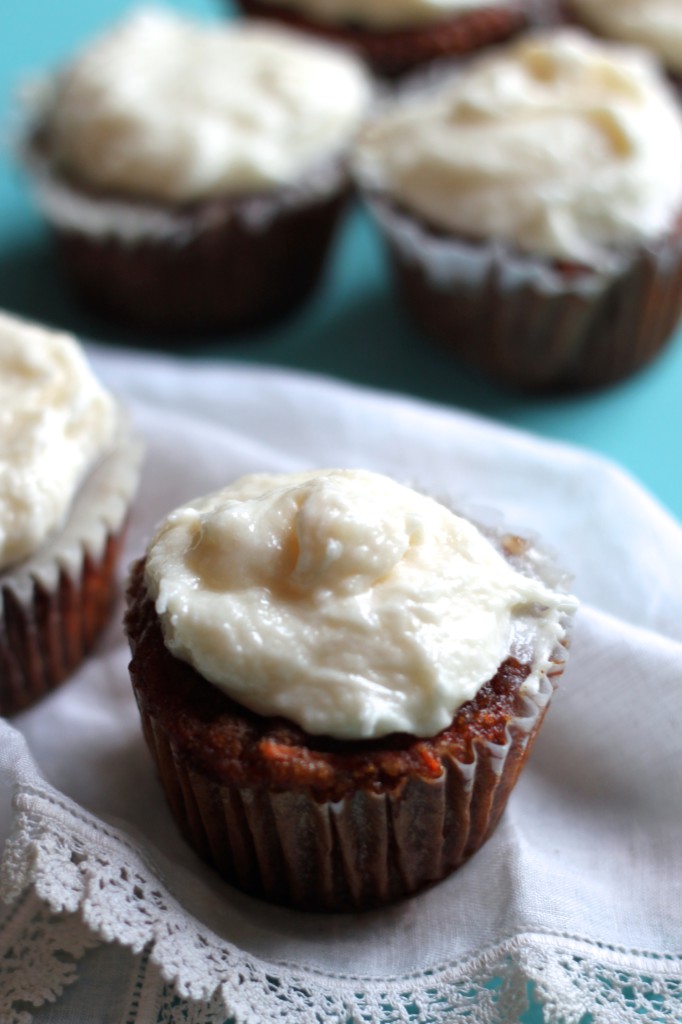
<point>364,850</point>
<point>55,603</point>
<point>534,324</point>
<point>224,263</point>
<point>70,207</point>
<point>391,53</point>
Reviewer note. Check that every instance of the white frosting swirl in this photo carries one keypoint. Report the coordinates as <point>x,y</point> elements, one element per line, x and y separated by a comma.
<point>656,24</point>
<point>56,421</point>
<point>343,601</point>
<point>561,145</point>
<point>167,109</point>
<point>386,14</point>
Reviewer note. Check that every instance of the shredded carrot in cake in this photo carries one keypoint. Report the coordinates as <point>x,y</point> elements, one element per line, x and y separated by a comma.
<point>432,764</point>
<point>275,751</point>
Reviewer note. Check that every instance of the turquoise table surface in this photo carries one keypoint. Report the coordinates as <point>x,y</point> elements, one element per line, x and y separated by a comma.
<point>352,328</point>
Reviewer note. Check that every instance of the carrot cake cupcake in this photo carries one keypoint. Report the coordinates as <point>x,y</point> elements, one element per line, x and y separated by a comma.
<point>68,473</point>
<point>395,36</point>
<point>531,205</point>
<point>339,680</point>
<point>195,173</point>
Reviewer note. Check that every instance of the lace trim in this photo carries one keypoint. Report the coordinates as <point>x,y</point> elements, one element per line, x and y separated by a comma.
<point>188,975</point>
<point>40,952</point>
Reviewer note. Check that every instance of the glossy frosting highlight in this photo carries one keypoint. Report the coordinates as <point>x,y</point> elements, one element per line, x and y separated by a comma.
<point>656,24</point>
<point>344,602</point>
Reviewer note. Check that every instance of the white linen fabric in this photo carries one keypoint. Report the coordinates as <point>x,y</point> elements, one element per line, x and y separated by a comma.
<point>580,889</point>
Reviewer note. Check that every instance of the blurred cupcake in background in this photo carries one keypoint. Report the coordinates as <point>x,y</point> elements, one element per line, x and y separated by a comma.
<point>194,173</point>
<point>653,24</point>
<point>532,209</point>
<point>395,36</point>
<point>69,467</point>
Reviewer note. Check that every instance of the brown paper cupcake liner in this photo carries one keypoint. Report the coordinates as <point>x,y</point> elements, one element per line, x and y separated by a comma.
<point>365,850</point>
<point>227,263</point>
<point>391,53</point>
<point>56,603</point>
<point>533,324</point>
<point>41,643</point>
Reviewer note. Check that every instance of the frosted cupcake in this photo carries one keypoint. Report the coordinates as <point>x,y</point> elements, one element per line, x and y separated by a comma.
<point>395,36</point>
<point>654,24</point>
<point>531,206</point>
<point>339,681</point>
<point>68,473</point>
<point>195,173</point>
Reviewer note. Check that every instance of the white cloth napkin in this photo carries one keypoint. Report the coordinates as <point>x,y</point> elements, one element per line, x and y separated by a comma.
<point>580,889</point>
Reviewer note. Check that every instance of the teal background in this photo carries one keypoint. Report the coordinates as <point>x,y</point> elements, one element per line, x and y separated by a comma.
<point>352,328</point>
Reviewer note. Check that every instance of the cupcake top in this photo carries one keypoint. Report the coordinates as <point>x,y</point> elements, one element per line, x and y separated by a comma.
<point>56,421</point>
<point>560,145</point>
<point>345,602</point>
<point>175,111</point>
<point>386,14</point>
<point>656,24</point>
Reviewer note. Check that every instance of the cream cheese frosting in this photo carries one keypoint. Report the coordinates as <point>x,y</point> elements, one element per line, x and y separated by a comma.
<point>386,14</point>
<point>56,421</point>
<point>344,601</point>
<point>656,24</point>
<point>167,109</point>
<point>561,145</point>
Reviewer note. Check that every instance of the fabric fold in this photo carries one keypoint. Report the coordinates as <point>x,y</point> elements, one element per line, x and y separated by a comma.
<point>578,891</point>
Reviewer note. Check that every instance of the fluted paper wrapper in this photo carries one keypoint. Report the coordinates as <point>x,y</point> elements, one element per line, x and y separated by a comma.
<point>225,263</point>
<point>363,851</point>
<point>527,322</point>
<point>56,603</point>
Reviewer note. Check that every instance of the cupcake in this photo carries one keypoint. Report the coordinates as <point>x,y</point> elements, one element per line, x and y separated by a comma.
<point>195,173</point>
<point>68,473</point>
<point>531,206</point>
<point>396,36</point>
<point>339,681</point>
<point>653,24</point>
